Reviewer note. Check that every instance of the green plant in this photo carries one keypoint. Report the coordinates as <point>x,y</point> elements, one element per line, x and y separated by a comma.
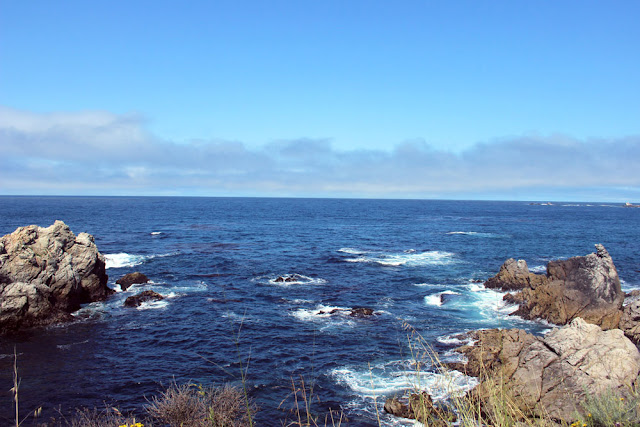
<point>609,408</point>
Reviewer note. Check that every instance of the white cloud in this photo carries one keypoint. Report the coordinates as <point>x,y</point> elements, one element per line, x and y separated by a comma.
<point>104,153</point>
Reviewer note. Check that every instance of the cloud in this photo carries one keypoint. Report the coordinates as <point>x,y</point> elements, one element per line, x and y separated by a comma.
<point>105,153</point>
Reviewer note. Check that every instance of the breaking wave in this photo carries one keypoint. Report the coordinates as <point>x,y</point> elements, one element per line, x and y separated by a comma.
<point>437,299</point>
<point>409,258</point>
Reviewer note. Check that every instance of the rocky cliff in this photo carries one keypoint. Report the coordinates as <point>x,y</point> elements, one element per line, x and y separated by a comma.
<point>587,287</point>
<point>47,273</point>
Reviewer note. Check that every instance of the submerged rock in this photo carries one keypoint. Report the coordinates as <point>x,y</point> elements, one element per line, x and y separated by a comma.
<point>47,273</point>
<point>551,375</point>
<point>131,279</point>
<point>138,299</point>
<point>361,312</point>
<point>587,287</point>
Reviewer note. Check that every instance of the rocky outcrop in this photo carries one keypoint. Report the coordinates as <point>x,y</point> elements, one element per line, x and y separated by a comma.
<point>630,321</point>
<point>361,312</point>
<point>47,273</point>
<point>131,279</point>
<point>421,408</point>
<point>585,286</point>
<point>514,275</point>
<point>138,299</point>
<point>551,374</point>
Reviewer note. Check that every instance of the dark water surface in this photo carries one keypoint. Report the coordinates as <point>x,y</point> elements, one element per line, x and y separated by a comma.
<point>216,259</point>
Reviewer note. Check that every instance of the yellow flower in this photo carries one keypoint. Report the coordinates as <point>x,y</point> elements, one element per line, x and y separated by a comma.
<point>589,414</point>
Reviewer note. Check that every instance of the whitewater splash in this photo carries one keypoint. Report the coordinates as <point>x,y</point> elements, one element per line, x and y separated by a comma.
<point>293,279</point>
<point>437,299</point>
<point>123,259</point>
<point>409,258</point>
<point>396,377</point>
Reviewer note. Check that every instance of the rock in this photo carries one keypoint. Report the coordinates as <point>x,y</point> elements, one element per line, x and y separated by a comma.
<point>47,273</point>
<point>515,275</point>
<point>587,287</point>
<point>420,408</point>
<point>361,312</point>
<point>551,374</point>
<point>131,279</point>
<point>144,296</point>
<point>630,321</point>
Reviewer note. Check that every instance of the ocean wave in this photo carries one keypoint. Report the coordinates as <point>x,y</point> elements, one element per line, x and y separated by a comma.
<point>155,233</point>
<point>351,251</point>
<point>151,305</point>
<point>457,340</point>
<point>320,312</point>
<point>436,299</point>
<point>286,280</point>
<point>123,259</point>
<point>475,233</point>
<point>386,380</point>
<point>409,259</point>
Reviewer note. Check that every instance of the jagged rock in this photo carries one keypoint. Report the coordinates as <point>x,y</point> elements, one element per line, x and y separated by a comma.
<point>288,278</point>
<point>551,374</point>
<point>47,273</point>
<point>131,279</point>
<point>515,275</point>
<point>420,408</point>
<point>630,321</point>
<point>144,296</point>
<point>361,312</point>
<point>585,286</point>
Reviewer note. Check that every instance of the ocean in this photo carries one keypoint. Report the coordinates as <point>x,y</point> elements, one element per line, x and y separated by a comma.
<point>416,263</point>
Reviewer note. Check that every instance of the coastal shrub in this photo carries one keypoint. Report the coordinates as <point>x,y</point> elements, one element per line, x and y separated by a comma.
<point>197,406</point>
<point>108,417</point>
<point>610,409</point>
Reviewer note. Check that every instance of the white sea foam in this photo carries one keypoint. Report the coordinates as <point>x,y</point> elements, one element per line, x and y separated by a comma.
<point>351,251</point>
<point>287,280</point>
<point>455,339</point>
<point>538,269</point>
<point>436,299</point>
<point>476,287</point>
<point>150,305</point>
<point>68,346</point>
<point>410,259</point>
<point>425,285</point>
<point>320,312</point>
<point>124,259</point>
<point>388,380</point>
<point>155,233</point>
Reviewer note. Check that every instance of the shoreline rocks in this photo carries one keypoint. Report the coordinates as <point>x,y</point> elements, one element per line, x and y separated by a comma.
<point>586,286</point>
<point>142,297</point>
<point>551,375</point>
<point>46,274</point>
<point>135,278</point>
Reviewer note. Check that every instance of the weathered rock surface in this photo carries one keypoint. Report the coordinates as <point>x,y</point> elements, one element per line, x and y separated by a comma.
<point>514,275</point>
<point>131,279</point>
<point>144,296</point>
<point>550,375</point>
<point>361,312</point>
<point>587,287</point>
<point>47,273</point>
<point>630,321</point>
<point>421,408</point>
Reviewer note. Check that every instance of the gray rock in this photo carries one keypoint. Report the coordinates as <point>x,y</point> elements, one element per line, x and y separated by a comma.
<point>550,375</point>
<point>587,287</point>
<point>47,273</point>
<point>630,321</point>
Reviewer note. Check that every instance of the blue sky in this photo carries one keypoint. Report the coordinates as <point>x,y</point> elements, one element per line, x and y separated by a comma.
<point>453,99</point>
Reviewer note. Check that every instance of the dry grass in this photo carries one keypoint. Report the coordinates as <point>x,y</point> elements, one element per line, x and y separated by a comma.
<point>197,406</point>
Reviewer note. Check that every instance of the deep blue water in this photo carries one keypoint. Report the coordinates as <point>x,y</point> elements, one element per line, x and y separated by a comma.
<point>216,259</point>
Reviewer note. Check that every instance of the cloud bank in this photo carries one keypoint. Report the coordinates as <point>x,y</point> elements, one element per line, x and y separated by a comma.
<point>100,153</point>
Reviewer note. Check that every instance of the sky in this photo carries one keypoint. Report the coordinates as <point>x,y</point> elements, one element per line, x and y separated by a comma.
<point>497,100</point>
